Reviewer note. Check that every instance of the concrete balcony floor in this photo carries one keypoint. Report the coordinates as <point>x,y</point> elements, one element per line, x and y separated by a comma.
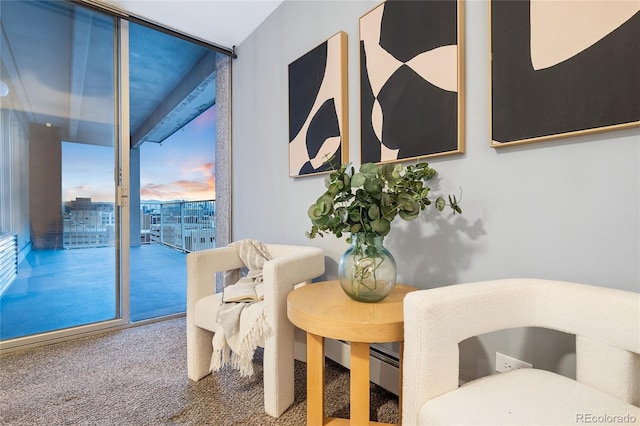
<point>58,289</point>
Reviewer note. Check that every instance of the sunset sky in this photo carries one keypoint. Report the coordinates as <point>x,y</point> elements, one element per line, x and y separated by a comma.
<point>181,168</point>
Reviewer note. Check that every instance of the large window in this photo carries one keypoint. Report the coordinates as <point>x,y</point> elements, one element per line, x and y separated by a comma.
<point>106,169</point>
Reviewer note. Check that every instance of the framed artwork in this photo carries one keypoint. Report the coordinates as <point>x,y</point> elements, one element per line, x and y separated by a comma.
<point>412,80</point>
<point>563,68</point>
<point>318,108</point>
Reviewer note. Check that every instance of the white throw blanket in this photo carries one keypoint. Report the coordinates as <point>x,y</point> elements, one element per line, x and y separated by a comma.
<point>244,325</point>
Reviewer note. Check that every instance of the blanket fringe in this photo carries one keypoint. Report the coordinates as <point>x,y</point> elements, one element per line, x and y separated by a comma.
<point>241,360</point>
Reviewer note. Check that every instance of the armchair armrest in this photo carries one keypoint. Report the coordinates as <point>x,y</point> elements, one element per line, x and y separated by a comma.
<point>202,267</point>
<point>290,266</point>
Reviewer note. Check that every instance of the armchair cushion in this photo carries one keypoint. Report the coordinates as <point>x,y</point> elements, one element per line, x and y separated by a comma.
<point>525,396</point>
<point>206,312</point>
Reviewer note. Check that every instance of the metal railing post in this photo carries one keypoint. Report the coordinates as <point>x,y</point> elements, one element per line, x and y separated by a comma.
<point>182,237</point>
<point>161,223</point>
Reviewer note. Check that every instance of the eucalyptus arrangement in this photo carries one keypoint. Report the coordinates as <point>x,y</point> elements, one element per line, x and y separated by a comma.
<point>368,201</point>
<point>364,204</point>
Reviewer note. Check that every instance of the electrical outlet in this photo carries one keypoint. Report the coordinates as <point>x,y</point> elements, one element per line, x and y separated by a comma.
<point>506,363</point>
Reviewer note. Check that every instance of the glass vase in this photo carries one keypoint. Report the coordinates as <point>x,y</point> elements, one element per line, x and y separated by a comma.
<point>367,271</point>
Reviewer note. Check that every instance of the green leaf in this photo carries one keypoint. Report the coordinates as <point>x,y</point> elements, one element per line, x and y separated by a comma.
<point>322,222</point>
<point>315,212</point>
<point>311,212</point>
<point>372,186</point>
<point>407,203</point>
<point>369,169</point>
<point>357,180</point>
<point>381,226</point>
<point>346,179</point>
<point>407,215</point>
<point>386,171</point>
<point>386,200</point>
<point>374,212</point>
<point>325,203</point>
<point>440,203</point>
<point>389,212</point>
<point>335,188</point>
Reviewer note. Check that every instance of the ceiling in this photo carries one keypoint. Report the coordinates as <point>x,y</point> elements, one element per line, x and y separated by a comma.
<point>171,80</point>
<point>223,22</point>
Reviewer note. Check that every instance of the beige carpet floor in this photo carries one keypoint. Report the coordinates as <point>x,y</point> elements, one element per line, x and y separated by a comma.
<point>138,376</point>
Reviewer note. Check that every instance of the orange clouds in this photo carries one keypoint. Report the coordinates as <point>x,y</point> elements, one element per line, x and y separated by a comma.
<point>206,169</point>
<point>184,189</point>
<point>180,190</point>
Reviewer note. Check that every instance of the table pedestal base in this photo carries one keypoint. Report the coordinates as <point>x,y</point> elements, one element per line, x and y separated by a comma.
<point>359,385</point>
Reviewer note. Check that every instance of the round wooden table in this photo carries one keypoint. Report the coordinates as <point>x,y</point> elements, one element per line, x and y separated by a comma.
<point>323,310</point>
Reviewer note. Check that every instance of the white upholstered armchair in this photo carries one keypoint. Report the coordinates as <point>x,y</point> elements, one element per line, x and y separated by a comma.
<point>291,265</point>
<point>606,323</point>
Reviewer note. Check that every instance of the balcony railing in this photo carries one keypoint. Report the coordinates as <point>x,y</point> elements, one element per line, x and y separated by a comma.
<point>186,226</point>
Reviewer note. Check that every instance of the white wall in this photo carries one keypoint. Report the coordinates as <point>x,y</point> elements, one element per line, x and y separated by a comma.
<point>567,209</point>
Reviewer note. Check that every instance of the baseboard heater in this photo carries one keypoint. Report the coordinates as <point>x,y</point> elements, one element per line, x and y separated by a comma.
<point>384,359</point>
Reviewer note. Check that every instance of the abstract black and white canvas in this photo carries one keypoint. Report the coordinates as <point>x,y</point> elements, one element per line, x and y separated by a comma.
<point>411,80</point>
<point>318,127</point>
<point>563,68</point>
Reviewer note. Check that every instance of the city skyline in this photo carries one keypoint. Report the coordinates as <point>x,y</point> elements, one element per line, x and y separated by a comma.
<point>180,168</point>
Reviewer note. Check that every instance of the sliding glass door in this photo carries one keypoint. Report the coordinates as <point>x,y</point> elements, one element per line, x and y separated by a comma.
<point>173,135</point>
<point>107,168</point>
<point>58,141</point>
